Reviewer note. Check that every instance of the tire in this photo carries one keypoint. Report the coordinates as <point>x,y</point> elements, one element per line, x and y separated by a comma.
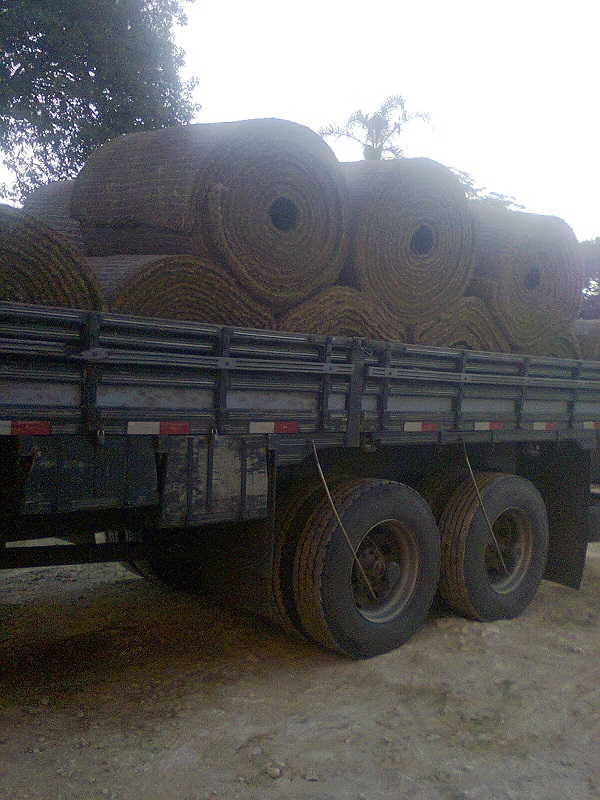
<point>395,538</point>
<point>289,528</point>
<point>155,571</point>
<point>118,536</point>
<point>141,566</point>
<point>169,574</point>
<point>483,578</point>
<point>181,575</point>
<point>438,488</point>
<point>299,507</point>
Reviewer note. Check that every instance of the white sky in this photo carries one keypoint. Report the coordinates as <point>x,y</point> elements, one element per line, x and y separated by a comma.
<point>512,86</point>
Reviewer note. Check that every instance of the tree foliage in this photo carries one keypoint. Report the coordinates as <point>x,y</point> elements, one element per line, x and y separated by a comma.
<point>377,133</point>
<point>481,195</point>
<point>75,73</point>
<point>590,306</point>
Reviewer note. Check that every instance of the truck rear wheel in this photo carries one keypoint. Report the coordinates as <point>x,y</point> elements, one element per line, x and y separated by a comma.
<point>490,575</point>
<point>290,526</point>
<point>175,573</point>
<point>296,511</point>
<point>167,573</point>
<point>396,542</point>
<point>438,488</point>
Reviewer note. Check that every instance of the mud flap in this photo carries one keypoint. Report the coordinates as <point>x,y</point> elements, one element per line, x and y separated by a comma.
<point>562,475</point>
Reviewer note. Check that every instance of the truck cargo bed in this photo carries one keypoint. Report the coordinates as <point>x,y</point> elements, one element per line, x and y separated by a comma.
<point>71,372</point>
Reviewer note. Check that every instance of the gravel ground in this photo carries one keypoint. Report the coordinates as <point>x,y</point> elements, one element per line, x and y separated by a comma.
<point>113,688</point>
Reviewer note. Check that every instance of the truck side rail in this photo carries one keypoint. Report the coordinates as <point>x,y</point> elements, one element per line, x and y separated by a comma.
<point>68,371</point>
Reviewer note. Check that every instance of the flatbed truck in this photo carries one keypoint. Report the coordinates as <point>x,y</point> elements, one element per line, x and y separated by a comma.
<point>333,484</point>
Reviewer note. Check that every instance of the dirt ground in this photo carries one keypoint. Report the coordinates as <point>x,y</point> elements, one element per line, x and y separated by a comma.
<point>113,688</point>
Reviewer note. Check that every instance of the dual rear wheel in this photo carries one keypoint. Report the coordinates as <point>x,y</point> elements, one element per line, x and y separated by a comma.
<point>360,581</point>
<point>368,593</point>
<point>494,544</point>
<point>359,576</point>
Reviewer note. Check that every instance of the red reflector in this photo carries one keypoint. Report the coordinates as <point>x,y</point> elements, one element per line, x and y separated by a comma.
<point>285,427</point>
<point>496,426</point>
<point>26,428</point>
<point>429,426</point>
<point>174,428</point>
<point>552,426</point>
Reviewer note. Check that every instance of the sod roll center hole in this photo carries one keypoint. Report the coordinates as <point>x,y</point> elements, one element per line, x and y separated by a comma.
<point>421,241</point>
<point>532,279</point>
<point>284,214</point>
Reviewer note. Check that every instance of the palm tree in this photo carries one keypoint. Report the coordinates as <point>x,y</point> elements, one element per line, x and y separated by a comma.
<point>376,132</point>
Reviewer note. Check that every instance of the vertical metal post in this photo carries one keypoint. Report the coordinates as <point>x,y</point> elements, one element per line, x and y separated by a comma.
<point>355,392</point>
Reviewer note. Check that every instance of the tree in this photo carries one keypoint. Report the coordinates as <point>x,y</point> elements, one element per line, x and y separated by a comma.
<point>377,132</point>
<point>75,73</point>
<point>590,253</point>
<point>480,195</point>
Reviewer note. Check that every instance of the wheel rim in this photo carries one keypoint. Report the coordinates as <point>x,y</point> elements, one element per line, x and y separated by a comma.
<point>388,555</point>
<point>509,551</point>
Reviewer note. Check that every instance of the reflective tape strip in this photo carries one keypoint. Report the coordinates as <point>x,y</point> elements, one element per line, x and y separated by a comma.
<point>286,427</point>
<point>273,427</point>
<point>143,428</point>
<point>545,426</point>
<point>420,427</point>
<point>489,426</point>
<point>24,428</point>
<point>591,426</point>
<point>174,428</point>
<point>146,428</point>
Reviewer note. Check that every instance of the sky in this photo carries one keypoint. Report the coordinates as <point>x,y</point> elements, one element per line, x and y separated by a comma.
<point>512,87</point>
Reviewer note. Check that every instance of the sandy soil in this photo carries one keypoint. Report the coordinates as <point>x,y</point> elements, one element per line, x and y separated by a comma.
<point>113,688</point>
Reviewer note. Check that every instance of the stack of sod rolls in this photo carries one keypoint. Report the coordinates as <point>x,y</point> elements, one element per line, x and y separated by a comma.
<point>411,236</point>
<point>39,266</point>
<point>256,224</point>
<point>528,268</point>
<point>343,311</point>
<point>51,204</point>
<point>466,324</point>
<point>179,287</point>
<point>264,197</point>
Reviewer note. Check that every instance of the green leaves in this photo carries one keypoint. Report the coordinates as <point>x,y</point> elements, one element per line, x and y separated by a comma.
<point>377,132</point>
<point>482,196</point>
<point>75,73</point>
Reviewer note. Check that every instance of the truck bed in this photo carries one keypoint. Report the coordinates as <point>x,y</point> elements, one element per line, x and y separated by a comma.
<point>70,372</point>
